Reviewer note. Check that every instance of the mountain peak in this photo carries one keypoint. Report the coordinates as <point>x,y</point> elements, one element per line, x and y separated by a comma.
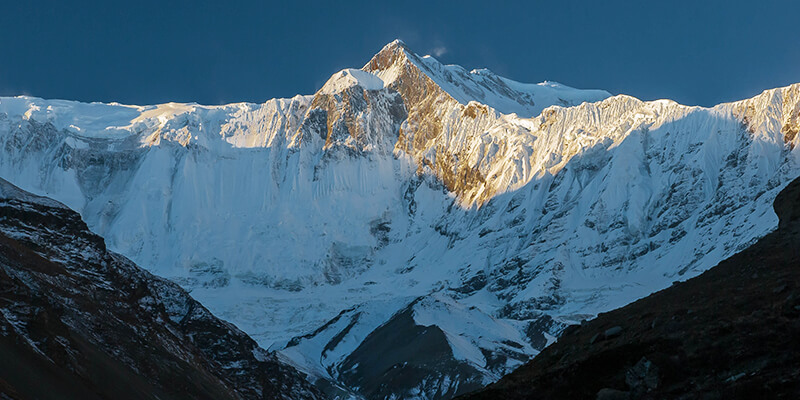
<point>396,45</point>
<point>402,69</point>
<point>396,42</point>
<point>395,53</point>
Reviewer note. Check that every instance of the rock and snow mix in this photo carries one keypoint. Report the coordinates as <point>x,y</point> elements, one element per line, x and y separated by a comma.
<point>497,212</point>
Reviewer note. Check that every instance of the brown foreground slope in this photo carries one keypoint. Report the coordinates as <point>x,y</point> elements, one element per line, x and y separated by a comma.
<point>80,322</point>
<point>730,333</point>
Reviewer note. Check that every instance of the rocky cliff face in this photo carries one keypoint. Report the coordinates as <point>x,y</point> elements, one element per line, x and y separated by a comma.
<point>78,321</point>
<point>418,196</point>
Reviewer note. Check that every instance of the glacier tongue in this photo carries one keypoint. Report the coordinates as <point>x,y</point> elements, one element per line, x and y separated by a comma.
<point>407,203</point>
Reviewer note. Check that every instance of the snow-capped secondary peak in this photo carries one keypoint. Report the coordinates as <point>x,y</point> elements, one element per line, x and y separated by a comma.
<point>350,77</point>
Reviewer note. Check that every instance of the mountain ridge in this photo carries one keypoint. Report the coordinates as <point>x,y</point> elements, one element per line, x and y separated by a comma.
<point>479,85</point>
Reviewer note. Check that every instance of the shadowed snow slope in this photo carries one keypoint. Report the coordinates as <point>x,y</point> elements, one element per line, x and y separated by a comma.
<point>485,212</point>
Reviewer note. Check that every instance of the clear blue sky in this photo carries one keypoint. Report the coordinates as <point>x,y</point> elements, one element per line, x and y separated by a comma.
<point>142,52</point>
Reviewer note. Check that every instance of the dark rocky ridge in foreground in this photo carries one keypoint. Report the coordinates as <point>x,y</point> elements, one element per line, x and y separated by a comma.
<point>730,333</point>
<point>80,322</point>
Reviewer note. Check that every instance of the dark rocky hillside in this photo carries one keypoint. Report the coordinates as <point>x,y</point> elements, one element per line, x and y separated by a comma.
<point>80,322</point>
<point>730,333</point>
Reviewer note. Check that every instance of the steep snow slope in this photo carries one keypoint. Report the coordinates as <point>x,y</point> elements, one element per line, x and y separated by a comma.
<point>404,199</point>
<point>730,333</point>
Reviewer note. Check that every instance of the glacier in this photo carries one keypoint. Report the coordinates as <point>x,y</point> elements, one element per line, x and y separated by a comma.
<point>466,216</point>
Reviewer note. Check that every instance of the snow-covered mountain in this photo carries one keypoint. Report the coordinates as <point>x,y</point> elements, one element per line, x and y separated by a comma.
<point>413,230</point>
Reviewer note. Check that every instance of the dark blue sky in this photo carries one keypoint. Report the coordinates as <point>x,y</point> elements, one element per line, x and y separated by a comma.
<point>695,52</point>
